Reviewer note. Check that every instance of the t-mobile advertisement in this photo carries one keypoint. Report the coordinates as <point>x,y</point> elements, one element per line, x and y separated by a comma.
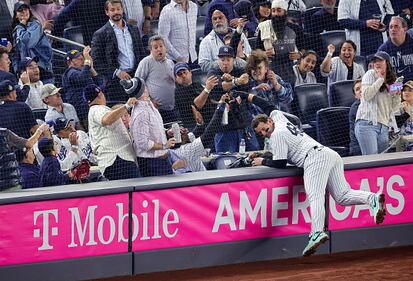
<point>197,215</point>
<point>63,229</point>
<point>396,182</point>
<point>219,213</point>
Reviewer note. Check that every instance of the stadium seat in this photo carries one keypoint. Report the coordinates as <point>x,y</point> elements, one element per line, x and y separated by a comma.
<point>308,14</point>
<point>200,24</point>
<point>333,128</point>
<point>362,61</point>
<point>253,42</point>
<point>311,3</point>
<point>341,93</point>
<point>73,33</point>
<point>309,99</point>
<point>199,76</point>
<point>335,37</point>
<point>203,9</point>
<point>154,27</point>
<point>296,17</point>
<point>39,113</point>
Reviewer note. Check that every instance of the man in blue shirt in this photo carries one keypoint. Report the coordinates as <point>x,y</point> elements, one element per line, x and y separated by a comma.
<point>400,48</point>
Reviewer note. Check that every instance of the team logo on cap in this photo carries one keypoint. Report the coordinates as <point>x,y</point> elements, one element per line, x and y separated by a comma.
<point>225,49</point>
<point>9,88</point>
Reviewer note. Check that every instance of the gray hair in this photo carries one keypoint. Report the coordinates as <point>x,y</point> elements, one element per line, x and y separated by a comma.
<point>155,38</point>
<point>402,20</point>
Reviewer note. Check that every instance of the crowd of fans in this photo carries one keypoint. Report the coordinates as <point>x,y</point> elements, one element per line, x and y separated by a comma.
<point>117,102</point>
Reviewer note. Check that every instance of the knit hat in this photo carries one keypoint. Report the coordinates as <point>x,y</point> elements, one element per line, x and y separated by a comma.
<point>133,87</point>
<point>280,4</point>
<point>91,92</point>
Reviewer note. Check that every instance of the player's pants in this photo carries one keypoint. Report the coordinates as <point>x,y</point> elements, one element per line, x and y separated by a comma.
<point>323,168</point>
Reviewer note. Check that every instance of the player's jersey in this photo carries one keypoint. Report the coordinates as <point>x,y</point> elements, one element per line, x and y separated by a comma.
<point>288,142</point>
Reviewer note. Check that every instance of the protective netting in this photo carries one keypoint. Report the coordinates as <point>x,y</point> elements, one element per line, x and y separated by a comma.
<point>172,87</point>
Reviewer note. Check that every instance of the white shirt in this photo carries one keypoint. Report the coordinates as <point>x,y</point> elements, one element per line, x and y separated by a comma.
<point>67,156</point>
<point>339,71</point>
<point>288,142</point>
<point>34,99</point>
<point>178,28</point>
<point>108,141</point>
<point>191,153</point>
<point>133,9</point>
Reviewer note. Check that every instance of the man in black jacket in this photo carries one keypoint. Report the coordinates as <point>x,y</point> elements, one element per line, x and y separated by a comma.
<point>117,50</point>
<point>237,127</point>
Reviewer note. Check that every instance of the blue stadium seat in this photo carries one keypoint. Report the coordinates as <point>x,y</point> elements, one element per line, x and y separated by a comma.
<point>312,3</point>
<point>199,76</point>
<point>73,33</point>
<point>335,37</point>
<point>341,93</point>
<point>200,24</point>
<point>39,113</point>
<point>203,9</point>
<point>253,42</point>
<point>333,128</point>
<point>308,14</point>
<point>362,61</point>
<point>296,17</point>
<point>154,27</point>
<point>309,98</point>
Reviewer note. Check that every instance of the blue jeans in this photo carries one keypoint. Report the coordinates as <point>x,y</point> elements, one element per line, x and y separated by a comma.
<point>373,139</point>
<point>229,140</point>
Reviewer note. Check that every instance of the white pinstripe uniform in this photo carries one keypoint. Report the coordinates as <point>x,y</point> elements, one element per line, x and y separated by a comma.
<point>323,168</point>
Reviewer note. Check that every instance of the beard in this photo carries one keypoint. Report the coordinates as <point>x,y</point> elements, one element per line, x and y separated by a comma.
<point>279,23</point>
<point>221,28</point>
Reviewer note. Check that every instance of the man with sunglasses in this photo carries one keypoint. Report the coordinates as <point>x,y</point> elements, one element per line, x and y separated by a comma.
<point>52,96</point>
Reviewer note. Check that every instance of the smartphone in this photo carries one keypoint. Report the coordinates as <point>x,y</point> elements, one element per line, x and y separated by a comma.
<point>4,42</point>
<point>396,87</point>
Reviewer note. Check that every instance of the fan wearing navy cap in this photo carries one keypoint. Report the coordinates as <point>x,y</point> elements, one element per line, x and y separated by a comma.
<point>15,116</point>
<point>231,78</point>
<point>72,145</point>
<point>148,133</point>
<point>34,100</point>
<point>110,139</point>
<point>377,105</point>
<point>78,75</point>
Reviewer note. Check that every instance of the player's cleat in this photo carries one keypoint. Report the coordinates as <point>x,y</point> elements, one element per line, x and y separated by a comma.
<point>377,206</point>
<point>315,240</point>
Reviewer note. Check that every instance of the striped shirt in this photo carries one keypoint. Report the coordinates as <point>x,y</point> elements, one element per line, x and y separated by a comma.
<point>191,153</point>
<point>288,142</point>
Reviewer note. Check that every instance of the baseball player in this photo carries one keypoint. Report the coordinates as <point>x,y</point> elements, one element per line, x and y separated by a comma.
<point>322,167</point>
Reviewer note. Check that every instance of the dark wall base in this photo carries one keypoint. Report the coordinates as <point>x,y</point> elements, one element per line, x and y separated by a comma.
<point>371,238</point>
<point>70,270</point>
<point>222,254</point>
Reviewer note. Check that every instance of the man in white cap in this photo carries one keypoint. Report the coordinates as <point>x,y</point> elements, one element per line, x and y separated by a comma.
<point>281,40</point>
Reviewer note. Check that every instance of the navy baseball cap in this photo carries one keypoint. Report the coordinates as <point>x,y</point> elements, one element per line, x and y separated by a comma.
<point>226,51</point>
<point>181,66</point>
<point>19,5</point>
<point>26,62</point>
<point>382,56</point>
<point>72,55</point>
<point>91,92</point>
<point>61,123</point>
<point>6,87</point>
